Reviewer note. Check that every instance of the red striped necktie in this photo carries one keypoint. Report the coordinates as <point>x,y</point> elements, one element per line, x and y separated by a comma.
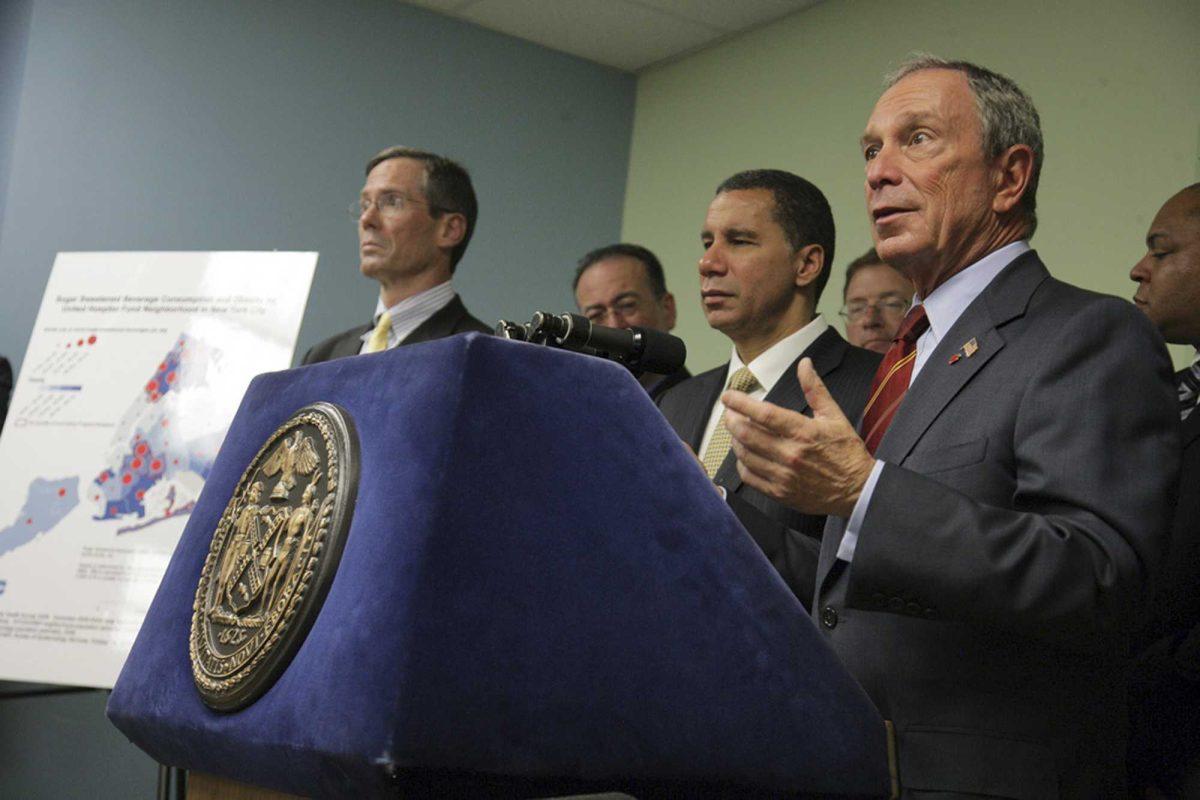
<point>892,377</point>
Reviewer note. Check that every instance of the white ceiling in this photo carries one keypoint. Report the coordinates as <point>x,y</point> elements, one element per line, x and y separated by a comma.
<point>627,34</point>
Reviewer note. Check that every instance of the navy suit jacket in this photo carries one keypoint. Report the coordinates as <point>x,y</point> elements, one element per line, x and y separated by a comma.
<point>1009,545</point>
<point>789,538</point>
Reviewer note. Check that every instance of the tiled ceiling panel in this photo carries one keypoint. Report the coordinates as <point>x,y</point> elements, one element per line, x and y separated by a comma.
<point>627,34</point>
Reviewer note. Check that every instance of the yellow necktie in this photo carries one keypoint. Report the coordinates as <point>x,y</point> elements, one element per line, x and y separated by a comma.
<point>718,446</point>
<point>379,336</point>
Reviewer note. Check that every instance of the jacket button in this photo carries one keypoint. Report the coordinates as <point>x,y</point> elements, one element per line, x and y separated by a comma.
<point>829,617</point>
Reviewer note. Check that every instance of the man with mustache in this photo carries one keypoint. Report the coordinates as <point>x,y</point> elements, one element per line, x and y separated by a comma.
<point>996,519</point>
<point>768,246</point>
<point>623,286</point>
<point>415,216</point>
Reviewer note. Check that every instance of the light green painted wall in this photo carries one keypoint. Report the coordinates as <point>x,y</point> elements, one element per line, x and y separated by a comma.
<point>1117,85</point>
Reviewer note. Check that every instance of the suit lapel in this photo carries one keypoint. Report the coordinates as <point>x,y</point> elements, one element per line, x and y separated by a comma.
<point>826,352</point>
<point>708,388</point>
<point>351,343</point>
<point>939,381</point>
<point>1191,428</point>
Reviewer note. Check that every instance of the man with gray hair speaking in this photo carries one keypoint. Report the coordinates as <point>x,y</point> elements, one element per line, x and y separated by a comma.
<point>997,515</point>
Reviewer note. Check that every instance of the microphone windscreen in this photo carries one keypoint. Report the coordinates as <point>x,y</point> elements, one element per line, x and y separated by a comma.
<point>661,352</point>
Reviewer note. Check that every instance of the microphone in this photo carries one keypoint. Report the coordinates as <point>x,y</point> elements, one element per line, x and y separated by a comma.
<point>639,349</point>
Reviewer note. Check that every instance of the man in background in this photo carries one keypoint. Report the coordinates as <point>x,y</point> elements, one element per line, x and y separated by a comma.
<point>874,300</point>
<point>1165,688</point>
<point>994,530</point>
<point>415,216</point>
<point>623,286</point>
<point>768,245</point>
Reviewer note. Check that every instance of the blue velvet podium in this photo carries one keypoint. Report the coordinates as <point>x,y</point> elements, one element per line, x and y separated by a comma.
<point>540,593</point>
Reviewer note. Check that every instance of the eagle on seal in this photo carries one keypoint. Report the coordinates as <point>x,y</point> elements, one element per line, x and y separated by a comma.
<point>296,455</point>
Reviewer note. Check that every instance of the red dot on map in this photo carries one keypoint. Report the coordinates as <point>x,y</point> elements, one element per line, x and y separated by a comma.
<point>68,345</point>
<point>171,376</point>
<point>136,464</point>
<point>156,465</point>
<point>92,339</point>
<point>140,494</point>
<point>29,521</point>
<point>80,343</point>
<point>103,477</point>
<point>126,478</point>
<point>175,461</point>
<point>162,366</point>
<point>154,395</point>
<point>151,386</point>
<point>62,492</point>
<point>142,448</point>
<point>164,423</point>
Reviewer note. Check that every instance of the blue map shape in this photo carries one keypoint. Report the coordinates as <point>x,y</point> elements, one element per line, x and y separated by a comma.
<point>153,451</point>
<point>45,506</point>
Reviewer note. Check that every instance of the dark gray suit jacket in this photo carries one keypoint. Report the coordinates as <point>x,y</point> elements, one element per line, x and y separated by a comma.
<point>789,539</point>
<point>448,320</point>
<point>1165,686</point>
<point>1008,547</point>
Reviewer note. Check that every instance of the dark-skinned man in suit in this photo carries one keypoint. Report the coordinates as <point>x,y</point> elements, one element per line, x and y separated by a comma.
<point>768,243</point>
<point>1165,688</point>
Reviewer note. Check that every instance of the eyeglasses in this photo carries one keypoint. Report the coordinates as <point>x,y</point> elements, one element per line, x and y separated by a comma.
<point>626,307</point>
<point>893,306</point>
<point>390,204</point>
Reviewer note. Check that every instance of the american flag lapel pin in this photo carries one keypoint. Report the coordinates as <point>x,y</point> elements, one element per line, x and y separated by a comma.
<point>970,348</point>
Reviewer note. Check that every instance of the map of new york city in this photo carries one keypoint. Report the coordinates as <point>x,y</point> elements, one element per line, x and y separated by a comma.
<point>152,472</point>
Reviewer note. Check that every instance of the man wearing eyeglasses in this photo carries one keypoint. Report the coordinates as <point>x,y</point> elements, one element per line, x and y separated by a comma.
<point>623,286</point>
<point>874,301</point>
<point>415,215</point>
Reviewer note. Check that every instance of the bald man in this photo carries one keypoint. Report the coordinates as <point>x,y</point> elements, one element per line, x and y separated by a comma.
<point>1165,692</point>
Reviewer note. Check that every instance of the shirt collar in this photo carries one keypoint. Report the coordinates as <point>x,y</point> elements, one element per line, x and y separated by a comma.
<point>770,365</point>
<point>442,293</point>
<point>947,302</point>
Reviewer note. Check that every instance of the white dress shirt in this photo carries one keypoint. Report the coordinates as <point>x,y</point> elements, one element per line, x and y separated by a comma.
<point>943,307</point>
<point>409,313</point>
<point>767,368</point>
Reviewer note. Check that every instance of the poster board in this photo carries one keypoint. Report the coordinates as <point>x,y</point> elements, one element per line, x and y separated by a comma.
<point>134,370</point>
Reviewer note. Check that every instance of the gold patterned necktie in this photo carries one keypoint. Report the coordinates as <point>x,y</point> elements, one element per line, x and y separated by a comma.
<point>379,336</point>
<point>718,446</point>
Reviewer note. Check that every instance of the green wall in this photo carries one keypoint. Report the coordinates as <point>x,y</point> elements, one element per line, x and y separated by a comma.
<point>1117,85</point>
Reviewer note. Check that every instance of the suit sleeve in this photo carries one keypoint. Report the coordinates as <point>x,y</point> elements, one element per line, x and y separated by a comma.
<point>1096,453</point>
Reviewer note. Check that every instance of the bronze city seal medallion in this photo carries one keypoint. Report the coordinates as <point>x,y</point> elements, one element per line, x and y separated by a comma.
<point>273,556</point>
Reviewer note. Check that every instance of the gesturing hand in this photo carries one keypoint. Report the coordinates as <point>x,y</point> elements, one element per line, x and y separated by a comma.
<point>817,466</point>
